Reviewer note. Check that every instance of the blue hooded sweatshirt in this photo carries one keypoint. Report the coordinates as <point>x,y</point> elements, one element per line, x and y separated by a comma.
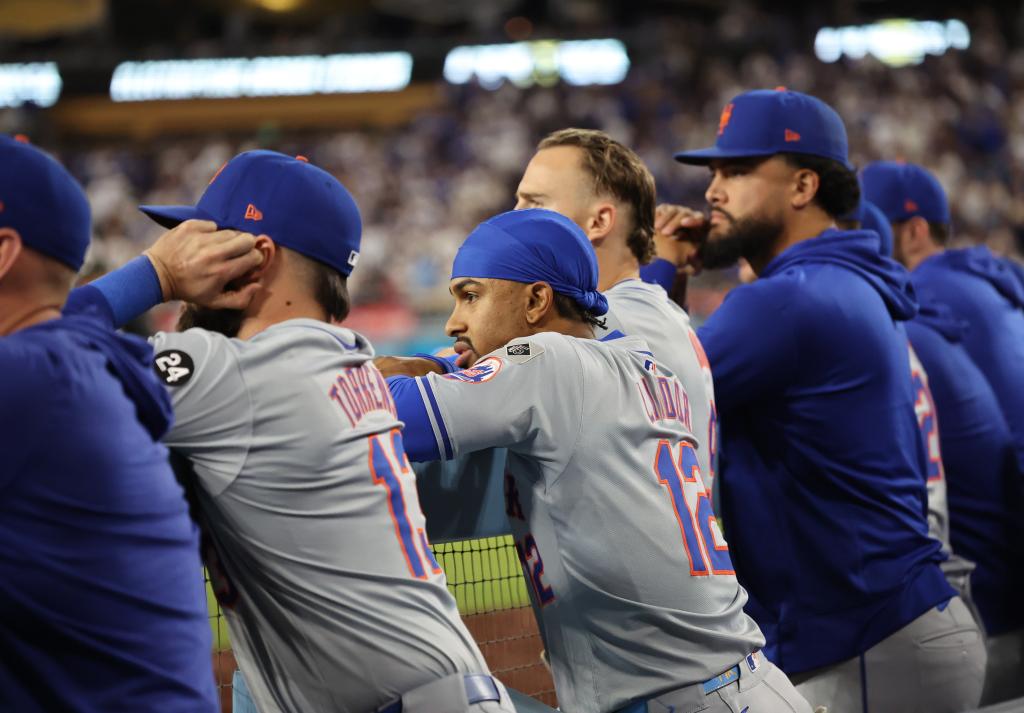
<point>822,463</point>
<point>983,486</point>
<point>102,604</point>
<point>986,293</point>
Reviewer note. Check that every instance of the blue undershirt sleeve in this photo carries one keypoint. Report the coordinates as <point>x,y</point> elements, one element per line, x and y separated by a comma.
<point>418,435</point>
<point>659,272</point>
<point>119,296</point>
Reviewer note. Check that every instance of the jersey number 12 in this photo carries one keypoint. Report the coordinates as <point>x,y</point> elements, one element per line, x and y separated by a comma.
<point>680,475</point>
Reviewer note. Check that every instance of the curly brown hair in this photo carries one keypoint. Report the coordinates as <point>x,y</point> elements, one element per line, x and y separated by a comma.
<point>619,172</point>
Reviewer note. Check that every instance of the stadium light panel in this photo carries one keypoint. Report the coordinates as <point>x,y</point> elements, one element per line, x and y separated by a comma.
<point>577,62</point>
<point>261,76</point>
<point>36,82</point>
<point>897,43</point>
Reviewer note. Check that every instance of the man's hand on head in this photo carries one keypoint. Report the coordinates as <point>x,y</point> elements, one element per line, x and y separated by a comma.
<point>679,233</point>
<point>197,263</point>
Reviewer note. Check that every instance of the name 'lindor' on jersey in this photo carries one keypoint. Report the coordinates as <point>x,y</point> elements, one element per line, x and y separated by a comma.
<point>668,401</point>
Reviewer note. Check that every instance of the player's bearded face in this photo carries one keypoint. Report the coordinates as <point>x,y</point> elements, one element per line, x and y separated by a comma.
<point>746,198</point>
<point>750,237</point>
<point>222,321</point>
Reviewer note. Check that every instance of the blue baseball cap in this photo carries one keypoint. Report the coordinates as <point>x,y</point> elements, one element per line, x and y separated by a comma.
<point>904,190</point>
<point>765,122</point>
<point>298,205</point>
<point>40,200</point>
<point>534,245</point>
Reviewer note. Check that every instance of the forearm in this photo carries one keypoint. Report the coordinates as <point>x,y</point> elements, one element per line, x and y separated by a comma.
<point>418,435</point>
<point>659,272</point>
<point>416,365</point>
<point>119,296</point>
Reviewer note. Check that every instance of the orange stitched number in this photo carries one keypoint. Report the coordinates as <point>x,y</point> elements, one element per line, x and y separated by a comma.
<point>702,539</point>
<point>388,463</point>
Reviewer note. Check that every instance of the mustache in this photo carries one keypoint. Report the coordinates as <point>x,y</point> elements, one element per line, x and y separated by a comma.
<point>724,213</point>
<point>468,342</point>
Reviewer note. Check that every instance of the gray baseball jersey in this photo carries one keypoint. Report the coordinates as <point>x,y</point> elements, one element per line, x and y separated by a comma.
<point>640,309</point>
<point>332,596</point>
<point>627,568</point>
<point>956,568</point>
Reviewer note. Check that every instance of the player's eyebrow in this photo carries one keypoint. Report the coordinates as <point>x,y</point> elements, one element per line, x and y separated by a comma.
<point>530,196</point>
<point>461,285</point>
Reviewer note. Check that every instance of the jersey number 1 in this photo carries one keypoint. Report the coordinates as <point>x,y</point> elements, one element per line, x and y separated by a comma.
<point>388,463</point>
<point>702,538</point>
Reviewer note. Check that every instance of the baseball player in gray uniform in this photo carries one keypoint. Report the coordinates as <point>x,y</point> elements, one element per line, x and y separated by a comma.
<point>606,189</point>
<point>333,598</point>
<point>628,571</point>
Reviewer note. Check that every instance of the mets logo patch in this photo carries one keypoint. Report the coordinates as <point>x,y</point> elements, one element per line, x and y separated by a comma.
<point>483,370</point>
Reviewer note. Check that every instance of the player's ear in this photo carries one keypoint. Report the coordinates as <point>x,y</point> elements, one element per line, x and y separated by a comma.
<point>10,249</point>
<point>600,222</point>
<point>916,235</point>
<point>540,301</point>
<point>805,186</point>
<point>268,249</point>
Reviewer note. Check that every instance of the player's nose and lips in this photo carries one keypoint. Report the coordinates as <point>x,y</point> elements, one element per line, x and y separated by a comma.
<point>457,326</point>
<point>716,196</point>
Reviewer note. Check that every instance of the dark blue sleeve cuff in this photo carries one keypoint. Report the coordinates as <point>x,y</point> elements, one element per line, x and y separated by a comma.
<point>447,364</point>
<point>87,301</point>
<point>129,291</point>
<point>418,434</point>
<point>659,272</point>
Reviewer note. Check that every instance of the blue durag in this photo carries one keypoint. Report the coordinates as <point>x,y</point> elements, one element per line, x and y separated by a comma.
<point>534,245</point>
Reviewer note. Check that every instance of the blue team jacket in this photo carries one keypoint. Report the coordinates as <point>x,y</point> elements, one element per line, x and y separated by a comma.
<point>102,604</point>
<point>987,294</point>
<point>982,481</point>
<point>822,464</point>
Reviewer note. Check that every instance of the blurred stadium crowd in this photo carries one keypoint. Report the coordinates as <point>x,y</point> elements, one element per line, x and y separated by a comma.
<point>423,186</point>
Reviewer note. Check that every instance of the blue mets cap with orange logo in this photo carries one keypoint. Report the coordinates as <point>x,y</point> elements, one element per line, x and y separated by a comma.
<point>765,122</point>
<point>904,190</point>
<point>298,205</point>
<point>43,203</point>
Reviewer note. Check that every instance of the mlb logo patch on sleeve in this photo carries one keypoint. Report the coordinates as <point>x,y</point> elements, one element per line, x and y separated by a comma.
<point>174,367</point>
<point>522,350</point>
<point>484,370</point>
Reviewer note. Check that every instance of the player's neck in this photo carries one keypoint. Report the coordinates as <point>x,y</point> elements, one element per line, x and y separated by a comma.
<point>912,261</point>
<point>569,327</point>
<point>16,315</point>
<point>615,263</point>
<point>801,228</point>
<point>275,309</point>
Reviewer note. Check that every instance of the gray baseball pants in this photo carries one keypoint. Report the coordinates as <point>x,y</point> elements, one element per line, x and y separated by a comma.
<point>935,664</point>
